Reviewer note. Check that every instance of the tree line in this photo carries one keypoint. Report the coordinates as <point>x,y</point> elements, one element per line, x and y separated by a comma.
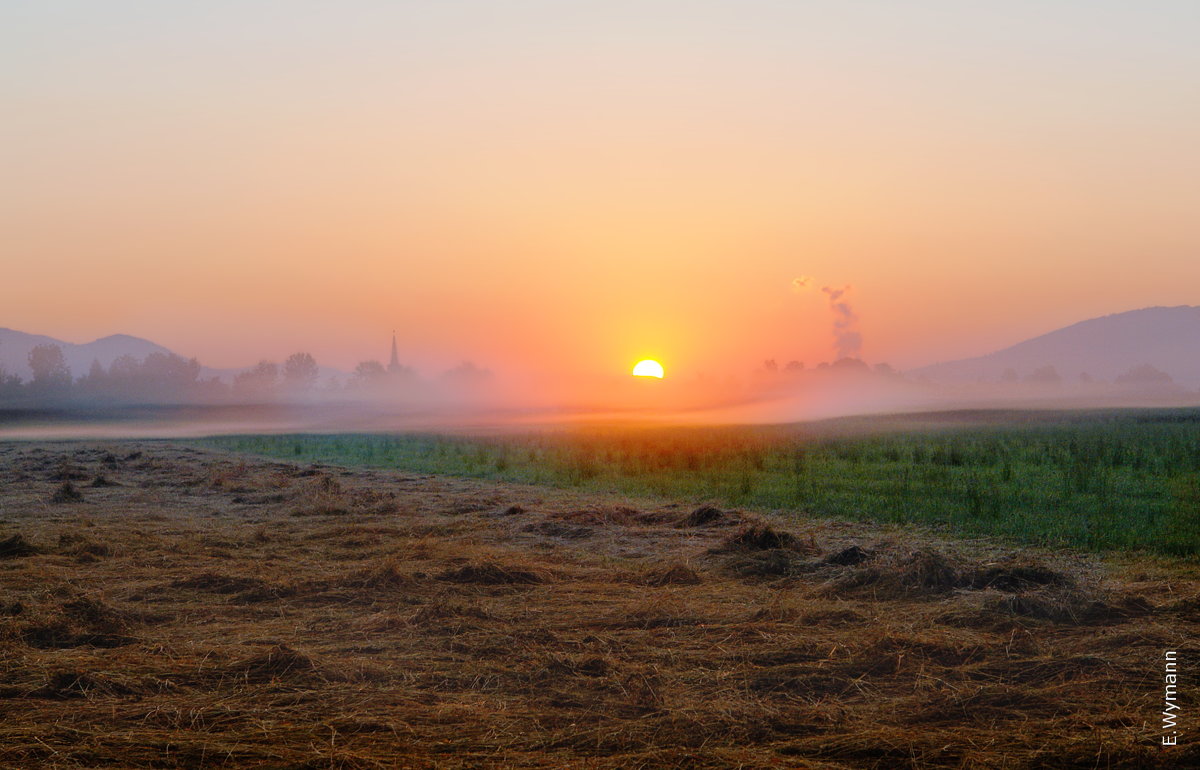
<point>166,377</point>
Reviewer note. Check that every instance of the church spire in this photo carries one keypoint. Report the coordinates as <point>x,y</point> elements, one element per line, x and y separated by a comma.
<point>394,364</point>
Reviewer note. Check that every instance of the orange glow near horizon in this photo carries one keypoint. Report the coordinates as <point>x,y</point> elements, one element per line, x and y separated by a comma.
<point>543,189</point>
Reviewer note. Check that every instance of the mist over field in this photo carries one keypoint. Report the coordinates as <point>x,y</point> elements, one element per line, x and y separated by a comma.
<point>1054,371</point>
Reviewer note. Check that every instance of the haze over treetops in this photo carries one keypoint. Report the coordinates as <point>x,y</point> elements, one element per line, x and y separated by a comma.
<point>563,190</point>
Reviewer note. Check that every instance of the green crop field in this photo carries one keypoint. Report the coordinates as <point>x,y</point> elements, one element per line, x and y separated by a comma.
<point>1119,480</point>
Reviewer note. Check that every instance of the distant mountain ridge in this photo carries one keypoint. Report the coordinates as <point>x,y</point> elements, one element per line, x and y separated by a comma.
<point>1167,338</point>
<point>15,346</point>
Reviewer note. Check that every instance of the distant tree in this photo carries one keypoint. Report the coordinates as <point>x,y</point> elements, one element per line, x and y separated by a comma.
<point>211,389</point>
<point>885,370</point>
<point>10,384</point>
<point>849,364</point>
<point>770,367</point>
<point>466,374</point>
<point>401,373</point>
<point>369,374</point>
<point>159,377</point>
<point>1144,375</point>
<point>50,370</point>
<point>1046,375</point>
<point>1085,378</point>
<point>167,375</point>
<point>258,382</point>
<point>96,380</point>
<point>124,371</point>
<point>96,372</point>
<point>793,367</point>
<point>300,372</point>
<point>1010,375</point>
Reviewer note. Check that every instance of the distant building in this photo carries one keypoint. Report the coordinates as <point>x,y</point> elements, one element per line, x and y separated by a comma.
<point>394,366</point>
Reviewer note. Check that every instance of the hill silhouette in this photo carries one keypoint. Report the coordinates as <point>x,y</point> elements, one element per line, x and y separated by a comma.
<point>1105,348</point>
<point>15,346</point>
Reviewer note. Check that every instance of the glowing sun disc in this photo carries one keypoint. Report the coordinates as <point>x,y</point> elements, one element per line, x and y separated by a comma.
<point>648,368</point>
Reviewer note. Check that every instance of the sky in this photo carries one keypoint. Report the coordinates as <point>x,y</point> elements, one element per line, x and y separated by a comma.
<point>561,189</point>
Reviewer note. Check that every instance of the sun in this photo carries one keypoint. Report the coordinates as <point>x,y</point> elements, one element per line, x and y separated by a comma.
<point>648,368</point>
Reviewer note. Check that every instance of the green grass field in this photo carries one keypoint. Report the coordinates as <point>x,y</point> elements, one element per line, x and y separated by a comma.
<point>1123,480</point>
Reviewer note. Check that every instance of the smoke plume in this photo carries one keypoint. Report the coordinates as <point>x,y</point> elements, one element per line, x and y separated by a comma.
<point>846,337</point>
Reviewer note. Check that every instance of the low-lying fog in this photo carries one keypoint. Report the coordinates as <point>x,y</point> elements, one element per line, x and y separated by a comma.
<point>490,405</point>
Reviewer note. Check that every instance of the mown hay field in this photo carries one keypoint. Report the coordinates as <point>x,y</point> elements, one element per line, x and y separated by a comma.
<point>165,605</point>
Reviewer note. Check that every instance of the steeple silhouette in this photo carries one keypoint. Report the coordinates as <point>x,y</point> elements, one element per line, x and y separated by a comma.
<point>394,364</point>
